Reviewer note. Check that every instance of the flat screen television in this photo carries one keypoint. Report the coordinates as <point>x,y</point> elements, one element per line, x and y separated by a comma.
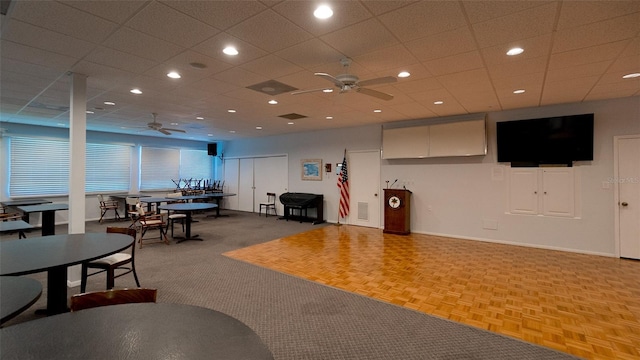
<point>553,140</point>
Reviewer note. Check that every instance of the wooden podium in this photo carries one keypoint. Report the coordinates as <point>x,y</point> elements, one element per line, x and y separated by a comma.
<point>397,211</point>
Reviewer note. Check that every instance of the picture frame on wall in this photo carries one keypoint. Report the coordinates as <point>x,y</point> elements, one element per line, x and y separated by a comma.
<point>311,169</point>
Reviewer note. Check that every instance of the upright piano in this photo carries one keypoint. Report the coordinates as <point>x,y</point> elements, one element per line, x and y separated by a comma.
<point>301,202</point>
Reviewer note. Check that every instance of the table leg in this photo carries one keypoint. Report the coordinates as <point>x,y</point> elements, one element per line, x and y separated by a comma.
<point>48,223</point>
<point>56,291</point>
<point>188,230</point>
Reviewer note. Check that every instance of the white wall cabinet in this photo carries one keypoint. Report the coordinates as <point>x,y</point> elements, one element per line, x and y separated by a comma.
<point>543,191</point>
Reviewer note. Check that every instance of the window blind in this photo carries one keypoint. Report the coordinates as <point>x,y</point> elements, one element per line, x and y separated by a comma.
<point>196,164</point>
<point>108,168</point>
<point>158,167</point>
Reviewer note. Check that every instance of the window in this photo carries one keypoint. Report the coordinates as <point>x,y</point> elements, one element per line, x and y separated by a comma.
<point>196,164</point>
<point>40,167</point>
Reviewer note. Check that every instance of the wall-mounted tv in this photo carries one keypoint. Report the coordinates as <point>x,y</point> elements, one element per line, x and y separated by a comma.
<point>553,140</point>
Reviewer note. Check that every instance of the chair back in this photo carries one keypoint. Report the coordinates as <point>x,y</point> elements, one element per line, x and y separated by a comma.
<point>112,297</point>
<point>127,231</point>
<point>271,197</point>
<point>100,199</point>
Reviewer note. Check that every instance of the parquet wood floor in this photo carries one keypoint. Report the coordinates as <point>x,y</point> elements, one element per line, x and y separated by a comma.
<point>584,305</point>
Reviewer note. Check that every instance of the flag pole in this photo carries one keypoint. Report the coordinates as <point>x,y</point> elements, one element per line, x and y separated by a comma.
<point>344,156</point>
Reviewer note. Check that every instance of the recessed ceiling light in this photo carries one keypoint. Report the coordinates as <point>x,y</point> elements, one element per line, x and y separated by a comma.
<point>111,103</point>
<point>273,102</point>
<point>631,76</point>
<point>90,112</point>
<point>329,117</point>
<point>404,74</point>
<point>323,12</point>
<point>174,75</point>
<point>232,131</point>
<point>290,123</point>
<point>258,127</point>
<point>327,90</point>
<point>135,91</point>
<point>439,102</point>
<point>231,110</point>
<point>519,91</point>
<point>199,118</point>
<point>174,124</point>
<point>377,111</point>
<point>209,134</point>
<point>230,50</point>
<point>515,51</point>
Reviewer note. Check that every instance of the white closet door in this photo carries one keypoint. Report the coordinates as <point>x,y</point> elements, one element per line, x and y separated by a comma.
<point>245,186</point>
<point>628,185</point>
<point>231,178</point>
<point>364,175</point>
<point>270,175</point>
<point>558,192</point>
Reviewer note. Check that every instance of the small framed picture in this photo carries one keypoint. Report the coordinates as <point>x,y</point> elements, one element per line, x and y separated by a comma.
<point>311,169</point>
<point>327,168</point>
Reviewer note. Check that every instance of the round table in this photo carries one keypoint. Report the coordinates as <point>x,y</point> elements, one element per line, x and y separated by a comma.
<point>188,208</point>
<point>134,331</point>
<point>16,295</point>
<point>54,254</point>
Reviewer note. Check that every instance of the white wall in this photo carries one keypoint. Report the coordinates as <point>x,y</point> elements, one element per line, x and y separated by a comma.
<point>453,196</point>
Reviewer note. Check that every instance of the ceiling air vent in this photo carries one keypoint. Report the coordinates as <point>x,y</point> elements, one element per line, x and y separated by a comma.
<point>292,116</point>
<point>272,87</point>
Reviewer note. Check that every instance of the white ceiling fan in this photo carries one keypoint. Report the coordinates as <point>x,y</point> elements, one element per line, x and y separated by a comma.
<point>346,82</point>
<point>154,125</point>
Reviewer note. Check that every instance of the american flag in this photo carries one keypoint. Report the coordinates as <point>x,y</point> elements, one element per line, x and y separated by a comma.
<point>343,184</point>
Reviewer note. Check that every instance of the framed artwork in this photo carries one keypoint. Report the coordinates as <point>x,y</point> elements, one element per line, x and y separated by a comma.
<point>312,169</point>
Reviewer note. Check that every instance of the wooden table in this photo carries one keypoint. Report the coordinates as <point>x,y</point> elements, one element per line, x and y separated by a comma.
<point>48,215</point>
<point>188,208</point>
<point>54,254</point>
<point>15,225</point>
<point>17,293</point>
<point>134,331</point>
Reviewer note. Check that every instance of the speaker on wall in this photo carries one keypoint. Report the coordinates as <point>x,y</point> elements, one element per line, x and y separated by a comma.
<point>212,149</point>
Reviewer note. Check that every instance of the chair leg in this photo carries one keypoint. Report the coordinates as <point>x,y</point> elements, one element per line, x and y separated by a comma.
<point>102,212</point>
<point>83,278</point>
<point>135,274</point>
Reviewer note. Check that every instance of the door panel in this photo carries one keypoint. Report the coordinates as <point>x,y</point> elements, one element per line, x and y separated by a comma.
<point>245,187</point>
<point>628,184</point>
<point>270,176</point>
<point>364,186</point>
<point>231,178</point>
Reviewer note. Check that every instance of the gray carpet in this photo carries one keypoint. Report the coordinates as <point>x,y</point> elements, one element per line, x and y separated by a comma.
<point>296,318</point>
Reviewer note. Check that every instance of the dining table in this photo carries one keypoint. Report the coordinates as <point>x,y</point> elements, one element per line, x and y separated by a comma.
<point>154,200</point>
<point>218,196</point>
<point>15,226</point>
<point>188,209</point>
<point>24,202</point>
<point>54,254</point>
<point>134,331</point>
<point>17,293</point>
<point>48,215</point>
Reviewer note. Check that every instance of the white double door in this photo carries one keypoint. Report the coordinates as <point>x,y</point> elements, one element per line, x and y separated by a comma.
<point>252,178</point>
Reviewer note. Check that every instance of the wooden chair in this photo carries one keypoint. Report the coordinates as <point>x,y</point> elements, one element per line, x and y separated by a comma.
<point>106,205</point>
<point>270,204</point>
<point>109,264</point>
<point>149,222</point>
<point>112,297</point>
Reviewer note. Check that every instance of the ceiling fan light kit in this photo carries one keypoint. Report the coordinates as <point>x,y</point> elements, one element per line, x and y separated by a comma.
<point>346,82</point>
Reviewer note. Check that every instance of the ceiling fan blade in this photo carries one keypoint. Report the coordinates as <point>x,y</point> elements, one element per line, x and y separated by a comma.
<point>164,131</point>
<point>326,76</point>
<point>375,93</point>
<point>378,81</point>
<point>178,130</point>
<point>307,91</point>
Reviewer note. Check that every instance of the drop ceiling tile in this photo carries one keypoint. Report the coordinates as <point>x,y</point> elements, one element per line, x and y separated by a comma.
<point>464,78</point>
<point>481,11</point>
<point>182,63</point>
<point>626,65</point>
<point>269,31</point>
<point>381,7</point>
<point>310,53</point>
<point>142,45</point>
<point>587,12</point>
<point>119,60</point>
<point>622,28</point>
<point>219,14</point>
<point>564,92</point>
<point>271,66</point>
<point>424,18</point>
<point>578,71</point>
<point>26,54</point>
<point>517,67</point>
<point>456,63</point>
<point>409,86</point>
<point>390,58</point>
<point>345,13</point>
<point>213,48</point>
<point>240,77</point>
<point>445,44</point>
<point>165,23</point>
<point>413,111</point>
<point>63,19</point>
<point>593,54</point>
<point>535,22</point>
<point>633,48</point>
<point>539,46</point>
<point>360,38</point>
<point>605,91</point>
<point>116,11</point>
<point>23,33</point>
<point>102,76</point>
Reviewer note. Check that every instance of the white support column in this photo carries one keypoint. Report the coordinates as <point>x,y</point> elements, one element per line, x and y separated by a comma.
<point>77,163</point>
